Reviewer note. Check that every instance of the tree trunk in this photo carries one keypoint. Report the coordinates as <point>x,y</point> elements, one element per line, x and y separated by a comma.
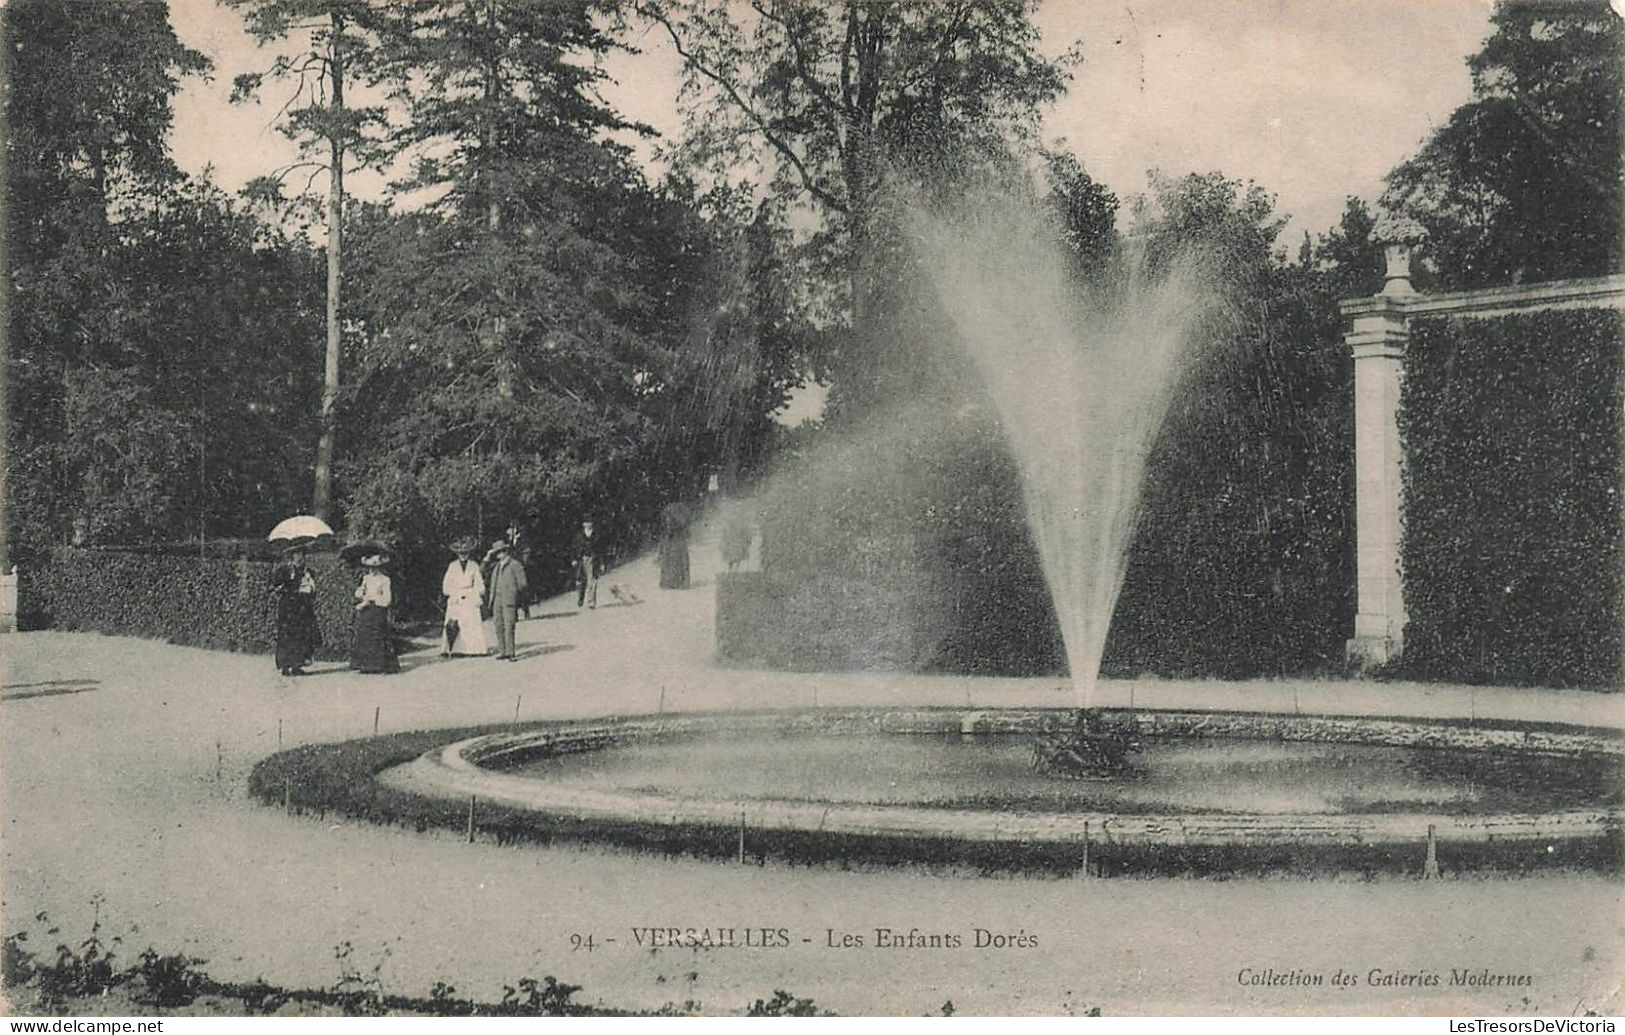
<point>327,443</point>
<point>493,209</point>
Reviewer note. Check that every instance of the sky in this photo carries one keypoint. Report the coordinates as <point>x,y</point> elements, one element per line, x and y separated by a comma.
<point>1313,99</point>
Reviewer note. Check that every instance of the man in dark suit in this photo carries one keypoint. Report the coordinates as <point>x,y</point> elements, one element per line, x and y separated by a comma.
<point>588,565</point>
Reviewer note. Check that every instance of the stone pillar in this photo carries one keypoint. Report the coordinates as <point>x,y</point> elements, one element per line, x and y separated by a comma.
<point>1377,337</point>
<point>8,600</point>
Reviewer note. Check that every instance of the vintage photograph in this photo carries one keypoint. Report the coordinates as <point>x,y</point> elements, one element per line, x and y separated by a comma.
<point>979,508</point>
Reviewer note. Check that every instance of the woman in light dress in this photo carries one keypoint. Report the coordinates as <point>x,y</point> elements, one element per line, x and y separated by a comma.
<point>464,589</point>
<point>374,647</point>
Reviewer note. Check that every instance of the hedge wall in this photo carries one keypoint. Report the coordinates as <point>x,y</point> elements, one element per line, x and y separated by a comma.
<point>1234,572</point>
<point>198,601</point>
<point>903,547</point>
<point>1512,479</point>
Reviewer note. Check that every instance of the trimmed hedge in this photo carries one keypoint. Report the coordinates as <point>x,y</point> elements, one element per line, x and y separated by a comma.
<point>198,601</point>
<point>1512,478</point>
<point>907,548</point>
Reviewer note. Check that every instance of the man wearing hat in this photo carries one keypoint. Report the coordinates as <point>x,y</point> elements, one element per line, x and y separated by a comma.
<point>585,551</point>
<point>464,589</point>
<point>507,589</point>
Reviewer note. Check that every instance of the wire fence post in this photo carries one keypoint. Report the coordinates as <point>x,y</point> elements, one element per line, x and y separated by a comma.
<point>1430,865</point>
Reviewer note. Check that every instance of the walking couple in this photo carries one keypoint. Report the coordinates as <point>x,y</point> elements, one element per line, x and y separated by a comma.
<point>498,589</point>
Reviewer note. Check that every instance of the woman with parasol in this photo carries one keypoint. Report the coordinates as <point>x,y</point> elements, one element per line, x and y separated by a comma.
<point>296,633</point>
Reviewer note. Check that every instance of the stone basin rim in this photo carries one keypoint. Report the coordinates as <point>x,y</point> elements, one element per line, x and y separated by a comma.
<point>463,769</point>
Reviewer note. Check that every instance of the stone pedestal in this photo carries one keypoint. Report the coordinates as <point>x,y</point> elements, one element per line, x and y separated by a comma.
<point>8,601</point>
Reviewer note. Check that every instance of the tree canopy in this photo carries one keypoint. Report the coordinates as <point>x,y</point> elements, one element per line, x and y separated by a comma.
<point>533,330</point>
<point>828,101</point>
<point>1526,181</point>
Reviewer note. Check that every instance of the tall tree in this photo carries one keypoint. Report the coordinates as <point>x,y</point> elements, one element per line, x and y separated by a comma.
<point>336,41</point>
<point>746,342</point>
<point>1346,256</point>
<point>1240,564</point>
<point>831,97</point>
<point>87,115</point>
<point>517,338</point>
<point>1084,211</point>
<point>1527,180</point>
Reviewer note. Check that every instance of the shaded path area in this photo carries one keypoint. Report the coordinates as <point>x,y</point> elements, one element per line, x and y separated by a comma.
<point>135,793</point>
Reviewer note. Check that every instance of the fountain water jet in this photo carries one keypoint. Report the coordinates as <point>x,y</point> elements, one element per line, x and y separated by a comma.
<point>1081,380</point>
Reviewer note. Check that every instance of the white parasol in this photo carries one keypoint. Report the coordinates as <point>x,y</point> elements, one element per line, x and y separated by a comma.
<point>302,526</point>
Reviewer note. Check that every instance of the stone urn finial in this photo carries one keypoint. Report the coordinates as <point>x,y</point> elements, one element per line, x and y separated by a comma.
<point>1399,236</point>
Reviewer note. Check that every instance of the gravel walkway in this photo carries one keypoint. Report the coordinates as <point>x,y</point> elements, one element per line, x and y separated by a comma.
<point>123,782</point>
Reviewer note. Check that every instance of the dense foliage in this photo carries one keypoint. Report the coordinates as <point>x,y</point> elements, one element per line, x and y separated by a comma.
<point>1526,181</point>
<point>832,101</point>
<point>1242,561</point>
<point>905,546</point>
<point>1512,549</point>
<point>159,332</point>
<point>532,333</point>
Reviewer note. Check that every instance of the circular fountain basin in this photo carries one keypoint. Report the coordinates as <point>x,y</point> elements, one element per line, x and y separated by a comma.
<point>1201,781</point>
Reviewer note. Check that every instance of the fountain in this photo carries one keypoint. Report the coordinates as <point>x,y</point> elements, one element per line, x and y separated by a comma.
<point>1081,380</point>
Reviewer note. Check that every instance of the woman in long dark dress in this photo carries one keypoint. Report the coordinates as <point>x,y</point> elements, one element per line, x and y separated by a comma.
<point>674,547</point>
<point>373,649</point>
<point>296,632</point>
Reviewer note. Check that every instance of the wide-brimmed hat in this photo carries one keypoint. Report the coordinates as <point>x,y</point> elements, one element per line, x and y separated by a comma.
<point>375,560</point>
<point>500,544</point>
<point>354,552</point>
<point>464,545</point>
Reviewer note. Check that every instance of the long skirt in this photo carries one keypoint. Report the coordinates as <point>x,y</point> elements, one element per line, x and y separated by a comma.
<point>674,563</point>
<point>296,633</point>
<point>470,629</point>
<point>374,648</point>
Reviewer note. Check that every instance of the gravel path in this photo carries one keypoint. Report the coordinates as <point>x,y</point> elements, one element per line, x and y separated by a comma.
<point>123,781</point>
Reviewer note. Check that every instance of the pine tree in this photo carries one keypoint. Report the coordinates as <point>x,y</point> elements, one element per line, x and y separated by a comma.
<point>337,44</point>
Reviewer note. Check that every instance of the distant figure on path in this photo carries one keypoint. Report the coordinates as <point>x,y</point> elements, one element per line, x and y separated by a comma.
<point>507,588</point>
<point>674,546</point>
<point>373,650</point>
<point>585,552</point>
<point>464,589</point>
<point>519,546</point>
<point>297,635</point>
